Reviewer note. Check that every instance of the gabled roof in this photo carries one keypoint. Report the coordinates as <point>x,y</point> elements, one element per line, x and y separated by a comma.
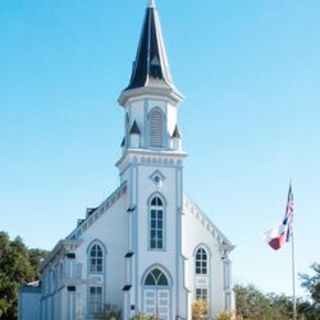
<point>151,67</point>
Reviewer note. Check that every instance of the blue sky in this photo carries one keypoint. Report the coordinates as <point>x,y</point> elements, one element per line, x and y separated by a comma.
<point>250,74</point>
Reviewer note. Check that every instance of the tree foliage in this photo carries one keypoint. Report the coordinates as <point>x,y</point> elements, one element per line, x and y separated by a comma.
<point>252,304</point>
<point>312,284</point>
<point>18,265</point>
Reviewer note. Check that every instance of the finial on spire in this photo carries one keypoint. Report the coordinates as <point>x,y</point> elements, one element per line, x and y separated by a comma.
<point>152,4</point>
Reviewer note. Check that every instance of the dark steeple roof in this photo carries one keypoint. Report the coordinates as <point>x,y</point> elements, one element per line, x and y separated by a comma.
<point>135,129</point>
<point>176,133</point>
<point>151,68</point>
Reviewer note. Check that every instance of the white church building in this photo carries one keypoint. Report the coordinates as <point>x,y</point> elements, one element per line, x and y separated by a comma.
<point>148,247</point>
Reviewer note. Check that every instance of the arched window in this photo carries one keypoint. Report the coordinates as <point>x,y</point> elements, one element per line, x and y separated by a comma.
<point>156,278</point>
<point>96,258</point>
<point>156,128</point>
<point>156,228</point>
<point>201,261</point>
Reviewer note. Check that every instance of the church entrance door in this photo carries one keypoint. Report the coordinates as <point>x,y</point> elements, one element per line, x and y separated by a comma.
<point>157,302</point>
<point>156,296</point>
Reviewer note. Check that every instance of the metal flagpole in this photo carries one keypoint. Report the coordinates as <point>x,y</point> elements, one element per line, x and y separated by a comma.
<point>294,300</point>
<point>291,208</point>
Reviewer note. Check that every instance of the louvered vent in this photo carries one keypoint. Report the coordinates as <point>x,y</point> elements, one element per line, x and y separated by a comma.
<point>156,129</point>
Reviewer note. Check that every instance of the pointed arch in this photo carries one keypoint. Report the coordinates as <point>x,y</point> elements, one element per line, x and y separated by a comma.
<point>156,275</point>
<point>96,252</point>
<point>156,283</point>
<point>156,278</point>
<point>201,259</point>
<point>157,195</point>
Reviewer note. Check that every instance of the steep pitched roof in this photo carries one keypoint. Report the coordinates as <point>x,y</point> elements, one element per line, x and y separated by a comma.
<point>151,67</point>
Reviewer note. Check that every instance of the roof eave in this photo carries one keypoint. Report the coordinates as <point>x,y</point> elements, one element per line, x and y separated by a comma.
<point>169,92</point>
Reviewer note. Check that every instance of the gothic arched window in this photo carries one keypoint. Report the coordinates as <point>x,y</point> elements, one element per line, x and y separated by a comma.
<point>156,128</point>
<point>201,261</point>
<point>96,258</point>
<point>156,227</point>
<point>156,278</point>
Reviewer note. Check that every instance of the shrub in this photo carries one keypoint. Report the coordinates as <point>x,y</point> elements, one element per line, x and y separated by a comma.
<point>199,309</point>
<point>111,312</point>
<point>226,315</point>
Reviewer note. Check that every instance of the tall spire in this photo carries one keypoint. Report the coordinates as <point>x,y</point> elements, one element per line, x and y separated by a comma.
<point>151,68</point>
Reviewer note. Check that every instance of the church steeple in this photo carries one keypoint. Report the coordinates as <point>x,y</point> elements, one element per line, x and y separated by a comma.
<point>151,68</point>
<point>151,100</point>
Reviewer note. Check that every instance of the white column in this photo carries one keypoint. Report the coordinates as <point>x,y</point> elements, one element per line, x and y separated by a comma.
<point>227,283</point>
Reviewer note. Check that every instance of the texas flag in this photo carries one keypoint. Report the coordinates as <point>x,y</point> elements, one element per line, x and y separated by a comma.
<point>281,234</point>
<point>277,236</point>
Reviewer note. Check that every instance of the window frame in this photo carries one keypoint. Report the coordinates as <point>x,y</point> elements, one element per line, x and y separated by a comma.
<point>202,294</point>
<point>203,262</point>
<point>97,303</point>
<point>156,278</point>
<point>156,210</point>
<point>96,258</point>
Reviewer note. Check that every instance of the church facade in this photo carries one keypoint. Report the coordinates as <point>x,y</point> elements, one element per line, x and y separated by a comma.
<point>147,248</point>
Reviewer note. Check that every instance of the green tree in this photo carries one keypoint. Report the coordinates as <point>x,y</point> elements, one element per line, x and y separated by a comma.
<point>312,284</point>
<point>35,257</point>
<point>281,306</point>
<point>252,303</point>
<point>17,266</point>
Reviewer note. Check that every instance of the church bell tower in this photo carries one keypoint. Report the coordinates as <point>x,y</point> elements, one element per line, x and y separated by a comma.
<point>151,165</point>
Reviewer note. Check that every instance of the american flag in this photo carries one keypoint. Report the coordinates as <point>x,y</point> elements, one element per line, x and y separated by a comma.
<point>282,233</point>
<point>288,218</point>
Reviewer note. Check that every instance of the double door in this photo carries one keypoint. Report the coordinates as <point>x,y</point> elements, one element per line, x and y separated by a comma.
<point>157,302</point>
